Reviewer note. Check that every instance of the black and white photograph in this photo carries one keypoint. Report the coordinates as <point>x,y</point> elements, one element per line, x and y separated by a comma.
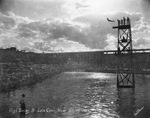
<point>74,58</point>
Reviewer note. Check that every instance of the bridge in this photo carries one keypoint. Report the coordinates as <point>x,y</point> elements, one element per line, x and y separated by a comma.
<point>108,62</point>
<point>133,50</point>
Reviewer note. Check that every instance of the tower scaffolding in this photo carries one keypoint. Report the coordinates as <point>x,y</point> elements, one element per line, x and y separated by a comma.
<point>125,59</point>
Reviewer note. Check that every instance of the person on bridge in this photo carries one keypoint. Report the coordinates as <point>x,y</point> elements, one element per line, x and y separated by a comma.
<point>22,106</point>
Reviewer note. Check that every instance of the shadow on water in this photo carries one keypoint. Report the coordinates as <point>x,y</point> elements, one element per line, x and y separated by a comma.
<point>126,102</point>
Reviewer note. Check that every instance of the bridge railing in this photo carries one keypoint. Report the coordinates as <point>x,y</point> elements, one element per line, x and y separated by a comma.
<point>133,50</point>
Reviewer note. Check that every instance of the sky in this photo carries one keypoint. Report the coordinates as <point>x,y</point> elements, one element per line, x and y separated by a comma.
<point>71,25</point>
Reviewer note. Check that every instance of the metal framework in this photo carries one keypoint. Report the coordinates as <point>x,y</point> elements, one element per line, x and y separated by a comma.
<point>125,60</point>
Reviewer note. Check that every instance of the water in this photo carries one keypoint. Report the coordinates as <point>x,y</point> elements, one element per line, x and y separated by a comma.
<point>78,95</point>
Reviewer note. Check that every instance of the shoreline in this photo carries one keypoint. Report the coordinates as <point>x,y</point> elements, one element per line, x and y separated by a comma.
<point>28,75</point>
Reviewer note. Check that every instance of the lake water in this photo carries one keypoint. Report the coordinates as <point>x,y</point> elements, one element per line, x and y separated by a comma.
<point>78,95</point>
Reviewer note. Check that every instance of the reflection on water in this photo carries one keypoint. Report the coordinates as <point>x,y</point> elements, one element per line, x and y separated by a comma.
<point>78,95</point>
<point>126,102</point>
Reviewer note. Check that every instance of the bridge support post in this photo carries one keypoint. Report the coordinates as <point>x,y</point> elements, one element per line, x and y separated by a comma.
<point>125,73</point>
<point>125,60</point>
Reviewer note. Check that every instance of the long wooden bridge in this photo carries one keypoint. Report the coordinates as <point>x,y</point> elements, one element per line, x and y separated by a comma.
<point>133,51</point>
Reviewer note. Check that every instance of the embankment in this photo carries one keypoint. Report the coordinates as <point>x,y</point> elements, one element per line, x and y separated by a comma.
<point>14,76</point>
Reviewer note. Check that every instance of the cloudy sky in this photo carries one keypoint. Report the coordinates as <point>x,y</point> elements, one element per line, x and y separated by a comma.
<point>70,25</point>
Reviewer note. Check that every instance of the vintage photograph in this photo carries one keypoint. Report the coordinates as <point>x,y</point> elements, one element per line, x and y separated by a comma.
<point>74,58</point>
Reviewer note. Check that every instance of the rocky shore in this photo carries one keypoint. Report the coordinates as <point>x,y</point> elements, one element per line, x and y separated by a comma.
<point>14,75</point>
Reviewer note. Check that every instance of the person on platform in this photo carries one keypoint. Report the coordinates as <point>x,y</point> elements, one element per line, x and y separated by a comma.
<point>22,106</point>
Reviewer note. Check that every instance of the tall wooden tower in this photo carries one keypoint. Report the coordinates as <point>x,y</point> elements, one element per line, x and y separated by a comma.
<point>125,64</point>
